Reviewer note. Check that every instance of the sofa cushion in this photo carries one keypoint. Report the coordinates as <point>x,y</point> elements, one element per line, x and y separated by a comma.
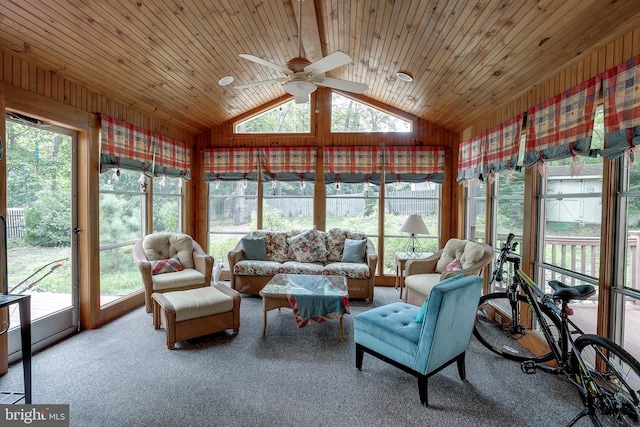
<point>166,266</point>
<point>295,267</point>
<point>290,255</point>
<point>254,248</point>
<point>453,249</point>
<point>276,244</point>
<point>349,270</point>
<point>308,246</point>
<point>159,246</point>
<point>256,268</point>
<point>335,242</point>
<point>354,250</point>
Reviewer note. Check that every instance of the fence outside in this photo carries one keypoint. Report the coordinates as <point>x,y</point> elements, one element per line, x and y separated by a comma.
<point>15,223</point>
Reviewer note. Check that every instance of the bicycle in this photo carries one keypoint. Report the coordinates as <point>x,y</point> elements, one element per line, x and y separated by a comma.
<point>514,324</point>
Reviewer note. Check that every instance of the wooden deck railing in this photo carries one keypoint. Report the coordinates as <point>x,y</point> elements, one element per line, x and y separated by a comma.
<point>582,255</point>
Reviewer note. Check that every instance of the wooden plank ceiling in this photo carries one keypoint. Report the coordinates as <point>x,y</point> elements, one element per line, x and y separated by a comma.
<point>467,57</point>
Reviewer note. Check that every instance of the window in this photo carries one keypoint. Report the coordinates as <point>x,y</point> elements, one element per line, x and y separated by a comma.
<point>287,205</point>
<point>233,213</point>
<point>167,204</point>
<point>285,118</point>
<point>348,115</point>
<point>401,200</point>
<point>626,281</point>
<point>353,206</point>
<point>476,211</point>
<point>122,222</point>
<point>570,209</point>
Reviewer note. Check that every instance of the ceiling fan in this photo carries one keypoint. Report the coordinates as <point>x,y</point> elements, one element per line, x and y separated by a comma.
<point>302,76</point>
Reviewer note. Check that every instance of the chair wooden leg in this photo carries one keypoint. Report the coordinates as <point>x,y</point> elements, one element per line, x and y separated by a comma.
<point>422,389</point>
<point>359,356</point>
<point>461,367</point>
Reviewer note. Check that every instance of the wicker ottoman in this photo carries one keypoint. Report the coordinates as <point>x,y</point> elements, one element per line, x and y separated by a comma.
<point>196,312</point>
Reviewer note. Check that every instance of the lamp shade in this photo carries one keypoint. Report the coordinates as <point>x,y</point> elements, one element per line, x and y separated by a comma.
<point>414,225</point>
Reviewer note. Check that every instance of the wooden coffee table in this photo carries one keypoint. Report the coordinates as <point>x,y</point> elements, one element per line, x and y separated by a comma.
<point>319,292</point>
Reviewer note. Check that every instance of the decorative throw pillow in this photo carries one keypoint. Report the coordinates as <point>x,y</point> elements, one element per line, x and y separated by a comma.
<point>354,250</point>
<point>254,248</point>
<point>308,246</point>
<point>170,265</point>
<point>423,308</point>
<point>453,265</point>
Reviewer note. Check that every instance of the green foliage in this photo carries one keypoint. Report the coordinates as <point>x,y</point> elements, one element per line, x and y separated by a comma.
<point>39,180</point>
<point>285,118</point>
<point>48,221</point>
<point>348,115</point>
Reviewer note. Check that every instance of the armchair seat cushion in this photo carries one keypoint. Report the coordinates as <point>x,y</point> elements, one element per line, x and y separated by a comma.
<point>390,331</point>
<point>422,283</point>
<point>178,279</point>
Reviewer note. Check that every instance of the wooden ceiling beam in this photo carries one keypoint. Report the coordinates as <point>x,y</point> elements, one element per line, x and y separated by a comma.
<point>310,30</point>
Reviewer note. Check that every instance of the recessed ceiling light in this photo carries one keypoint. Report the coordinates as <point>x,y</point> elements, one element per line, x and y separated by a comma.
<point>404,76</point>
<point>225,80</point>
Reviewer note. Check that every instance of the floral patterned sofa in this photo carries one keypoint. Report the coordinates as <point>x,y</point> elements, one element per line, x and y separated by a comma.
<point>263,254</point>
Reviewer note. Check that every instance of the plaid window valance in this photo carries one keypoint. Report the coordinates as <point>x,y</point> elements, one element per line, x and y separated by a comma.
<point>470,154</point>
<point>231,164</point>
<point>414,164</point>
<point>353,165</point>
<point>126,146</point>
<point>562,126</point>
<point>123,145</point>
<point>621,91</point>
<point>501,146</point>
<point>289,163</point>
<point>172,158</point>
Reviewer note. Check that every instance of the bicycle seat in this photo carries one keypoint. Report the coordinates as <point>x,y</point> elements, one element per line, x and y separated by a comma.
<point>567,293</point>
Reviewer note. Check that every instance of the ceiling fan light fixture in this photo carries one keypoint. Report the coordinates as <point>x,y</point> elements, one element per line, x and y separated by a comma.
<point>404,76</point>
<point>299,88</point>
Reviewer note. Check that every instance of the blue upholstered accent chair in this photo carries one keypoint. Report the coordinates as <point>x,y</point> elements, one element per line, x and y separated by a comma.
<point>391,332</point>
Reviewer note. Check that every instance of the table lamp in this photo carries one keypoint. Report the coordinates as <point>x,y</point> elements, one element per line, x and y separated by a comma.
<point>414,225</point>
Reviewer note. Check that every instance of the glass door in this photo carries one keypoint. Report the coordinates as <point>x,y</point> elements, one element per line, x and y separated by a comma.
<point>41,228</point>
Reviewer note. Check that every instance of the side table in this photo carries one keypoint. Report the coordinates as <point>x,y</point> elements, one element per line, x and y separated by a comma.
<point>24,305</point>
<point>401,261</point>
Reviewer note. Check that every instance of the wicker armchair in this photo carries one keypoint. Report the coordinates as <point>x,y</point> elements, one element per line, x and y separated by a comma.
<point>422,275</point>
<point>171,262</point>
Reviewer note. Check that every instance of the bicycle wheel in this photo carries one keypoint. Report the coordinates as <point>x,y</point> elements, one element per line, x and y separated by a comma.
<point>513,340</point>
<point>617,375</point>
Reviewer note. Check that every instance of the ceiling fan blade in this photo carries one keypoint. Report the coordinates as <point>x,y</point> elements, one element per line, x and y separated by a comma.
<point>328,63</point>
<point>339,84</point>
<point>264,82</point>
<point>266,63</point>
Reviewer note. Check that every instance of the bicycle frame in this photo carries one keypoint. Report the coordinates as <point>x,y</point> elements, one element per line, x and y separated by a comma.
<point>570,363</point>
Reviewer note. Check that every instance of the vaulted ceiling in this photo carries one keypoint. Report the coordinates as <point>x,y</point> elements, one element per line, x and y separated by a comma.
<point>165,57</point>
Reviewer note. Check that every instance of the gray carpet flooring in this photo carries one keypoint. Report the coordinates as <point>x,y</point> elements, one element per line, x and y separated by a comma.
<point>123,375</point>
